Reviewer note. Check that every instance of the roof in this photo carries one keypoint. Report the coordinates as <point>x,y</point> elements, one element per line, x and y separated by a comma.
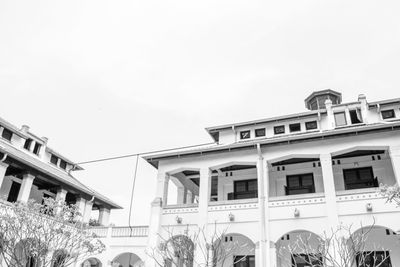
<point>154,158</point>
<point>55,153</point>
<point>47,169</point>
<point>323,92</point>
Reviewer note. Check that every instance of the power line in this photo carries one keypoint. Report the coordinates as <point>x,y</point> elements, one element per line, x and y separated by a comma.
<point>139,154</point>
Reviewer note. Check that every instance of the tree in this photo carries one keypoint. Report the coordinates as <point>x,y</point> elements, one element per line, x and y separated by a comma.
<point>179,250</point>
<point>391,193</point>
<point>49,234</point>
<point>339,248</point>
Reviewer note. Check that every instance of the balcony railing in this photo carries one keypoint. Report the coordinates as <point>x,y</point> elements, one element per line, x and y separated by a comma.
<point>299,190</point>
<point>126,231</point>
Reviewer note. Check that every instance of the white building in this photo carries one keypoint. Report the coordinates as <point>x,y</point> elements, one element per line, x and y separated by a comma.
<point>30,169</point>
<point>267,182</point>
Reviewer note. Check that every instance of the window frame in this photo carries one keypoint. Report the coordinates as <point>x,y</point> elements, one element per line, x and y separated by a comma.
<point>344,116</point>
<point>359,181</point>
<point>247,192</point>
<point>308,128</point>
<point>301,186</point>
<point>63,162</point>
<point>244,132</point>
<point>28,144</point>
<point>277,127</point>
<point>388,110</point>
<point>54,157</point>
<point>245,258</point>
<point>384,252</point>
<point>256,132</point>
<point>5,135</point>
<point>295,124</point>
<point>36,149</point>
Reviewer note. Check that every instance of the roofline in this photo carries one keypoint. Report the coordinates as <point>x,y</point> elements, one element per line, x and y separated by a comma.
<point>55,153</point>
<point>153,159</point>
<point>255,122</point>
<point>324,91</point>
<point>384,102</point>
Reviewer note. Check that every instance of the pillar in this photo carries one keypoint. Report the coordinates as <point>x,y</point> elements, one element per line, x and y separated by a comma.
<point>330,116</point>
<point>26,186</point>
<point>180,195</point>
<point>104,216</point>
<point>157,204</point>
<point>263,209</point>
<point>347,114</point>
<point>3,169</point>
<point>394,153</point>
<point>330,191</point>
<point>364,107</point>
<point>273,262</point>
<point>61,195</point>
<point>81,205</point>
<point>87,211</point>
<point>201,246</point>
<point>189,197</point>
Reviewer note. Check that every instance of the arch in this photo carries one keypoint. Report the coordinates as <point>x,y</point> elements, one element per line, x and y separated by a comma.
<point>92,262</point>
<point>231,248</point>
<point>24,252</point>
<point>178,251</point>
<point>127,259</point>
<point>358,148</point>
<point>60,258</point>
<point>294,156</point>
<point>175,171</point>
<point>232,163</point>
<point>294,245</point>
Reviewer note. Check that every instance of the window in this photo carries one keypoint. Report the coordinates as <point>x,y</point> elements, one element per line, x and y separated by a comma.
<point>311,125</point>
<point>305,260</point>
<point>388,114</point>
<point>296,127</point>
<point>14,191</point>
<point>279,129</point>
<point>244,261</point>
<point>355,116</point>
<point>214,188</point>
<point>7,134</point>
<point>245,189</point>
<point>340,119</point>
<point>299,184</point>
<point>244,134</point>
<point>260,132</point>
<point>374,258</point>
<point>54,160</point>
<point>28,143</point>
<point>36,149</point>
<point>63,164</point>
<point>359,178</point>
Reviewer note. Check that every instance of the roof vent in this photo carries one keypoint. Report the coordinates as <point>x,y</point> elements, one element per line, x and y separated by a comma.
<point>317,99</point>
<point>24,128</point>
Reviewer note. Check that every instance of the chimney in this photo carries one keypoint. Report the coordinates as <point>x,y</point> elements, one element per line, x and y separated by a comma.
<point>24,128</point>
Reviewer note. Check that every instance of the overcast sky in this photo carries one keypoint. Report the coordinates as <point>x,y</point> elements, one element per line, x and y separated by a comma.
<point>106,78</point>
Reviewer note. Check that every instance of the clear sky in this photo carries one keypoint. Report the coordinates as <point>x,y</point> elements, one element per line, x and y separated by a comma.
<point>105,78</point>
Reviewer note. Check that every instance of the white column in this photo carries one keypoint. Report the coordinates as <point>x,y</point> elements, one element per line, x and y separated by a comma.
<point>330,116</point>
<point>347,114</point>
<point>257,254</point>
<point>273,256</point>
<point>189,197</point>
<point>330,191</point>
<point>180,195</point>
<point>204,197</point>
<point>88,211</point>
<point>263,209</point>
<point>3,169</point>
<point>61,195</point>
<point>155,215</point>
<point>81,204</point>
<point>394,153</point>
<point>104,216</point>
<point>26,186</point>
<point>364,107</point>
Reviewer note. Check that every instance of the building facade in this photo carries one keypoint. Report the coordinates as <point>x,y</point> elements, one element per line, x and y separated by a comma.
<point>267,183</point>
<point>31,170</point>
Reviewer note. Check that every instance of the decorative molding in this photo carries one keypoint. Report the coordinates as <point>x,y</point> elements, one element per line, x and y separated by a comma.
<point>236,206</point>
<point>168,210</point>
<point>305,201</point>
<point>355,197</point>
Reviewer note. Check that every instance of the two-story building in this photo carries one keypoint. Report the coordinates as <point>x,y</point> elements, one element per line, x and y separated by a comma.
<point>30,169</point>
<point>267,182</point>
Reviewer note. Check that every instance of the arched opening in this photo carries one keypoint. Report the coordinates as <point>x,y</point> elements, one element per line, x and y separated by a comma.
<point>234,181</point>
<point>375,246</point>
<point>233,250</point>
<point>185,185</point>
<point>127,259</point>
<point>299,248</point>
<point>29,253</point>
<point>178,251</point>
<point>92,262</point>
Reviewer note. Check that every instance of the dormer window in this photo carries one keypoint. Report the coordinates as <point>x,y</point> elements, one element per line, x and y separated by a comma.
<point>54,160</point>
<point>295,127</point>
<point>355,116</point>
<point>279,129</point>
<point>260,132</point>
<point>63,164</point>
<point>340,119</point>
<point>388,114</point>
<point>245,134</point>
<point>7,134</point>
<point>28,143</point>
<point>36,149</point>
<point>311,125</point>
